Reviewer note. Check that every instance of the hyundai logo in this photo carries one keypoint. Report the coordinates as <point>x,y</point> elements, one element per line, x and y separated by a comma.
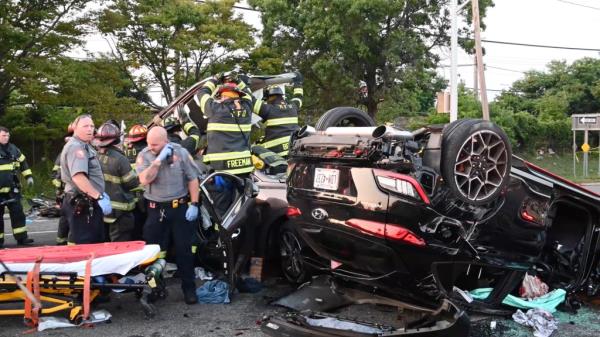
<point>319,214</point>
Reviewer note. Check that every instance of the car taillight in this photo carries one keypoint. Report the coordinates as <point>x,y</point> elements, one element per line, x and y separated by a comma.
<point>293,212</point>
<point>400,183</point>
<point>527,216</point>
<point>387,231</point>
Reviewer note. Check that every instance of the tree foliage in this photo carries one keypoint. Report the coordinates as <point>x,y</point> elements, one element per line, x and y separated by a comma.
<point>176,41</point>
<point>388,44</point>
<point>33,33</point>
<point>72,87</point>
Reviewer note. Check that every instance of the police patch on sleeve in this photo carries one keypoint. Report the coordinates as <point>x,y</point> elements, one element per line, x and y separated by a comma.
<point>80,154</point>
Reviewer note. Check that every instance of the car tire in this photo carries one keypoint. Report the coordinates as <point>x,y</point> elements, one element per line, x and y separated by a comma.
<point>476,160</point>
<point>293,266</point>
<point>344,116</point>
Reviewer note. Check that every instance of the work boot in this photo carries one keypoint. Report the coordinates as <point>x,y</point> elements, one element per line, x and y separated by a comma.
<point>189,296</point>
<point>24,242</point>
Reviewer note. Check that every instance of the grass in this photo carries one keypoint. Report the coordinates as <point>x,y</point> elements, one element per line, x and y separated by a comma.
<point>562,164</point>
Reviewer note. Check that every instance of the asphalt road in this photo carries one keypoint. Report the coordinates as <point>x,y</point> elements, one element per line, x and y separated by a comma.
<point>240,317</point>
<point>595,187</point>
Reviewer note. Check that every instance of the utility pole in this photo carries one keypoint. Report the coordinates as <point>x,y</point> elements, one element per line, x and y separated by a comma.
<point>479,55</point>
<point>453,60</point>
<point>475,83</point>
<point>454,9</point>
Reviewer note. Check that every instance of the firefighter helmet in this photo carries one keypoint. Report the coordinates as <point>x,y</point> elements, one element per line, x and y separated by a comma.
<point>171,124</point>
<point>229,90</point>
<point>273,90</point>
<point>136,133</point>
<point>108,134</point>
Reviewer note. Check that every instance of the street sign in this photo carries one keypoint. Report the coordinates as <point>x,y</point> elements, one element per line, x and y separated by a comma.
<point>585,147</point>
<point>589,122</point>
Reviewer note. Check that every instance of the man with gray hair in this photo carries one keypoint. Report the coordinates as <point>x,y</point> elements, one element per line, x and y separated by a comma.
<point>85,202</point>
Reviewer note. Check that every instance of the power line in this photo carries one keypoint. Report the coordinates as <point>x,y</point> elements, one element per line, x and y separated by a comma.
<point>540,45</point>
<point>496,90</point>
<point>491,41</point>
<point>578,4</point>
<point>505,69</point>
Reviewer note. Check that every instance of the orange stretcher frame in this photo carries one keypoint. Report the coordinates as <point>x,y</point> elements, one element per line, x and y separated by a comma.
<point>56,293</point>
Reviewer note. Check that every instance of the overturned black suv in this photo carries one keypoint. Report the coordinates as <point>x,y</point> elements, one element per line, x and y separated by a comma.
<point>416,214</point>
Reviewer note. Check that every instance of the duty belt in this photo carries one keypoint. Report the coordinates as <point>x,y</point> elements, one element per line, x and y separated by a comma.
<point>168,204</point>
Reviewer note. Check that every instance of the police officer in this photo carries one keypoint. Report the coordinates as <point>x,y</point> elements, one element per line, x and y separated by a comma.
<point>119,182</point>
<point>191,143</point>
<point>63,225</point>
<point>280,117</point>
<point>229,124</point>
<point>170,177</point>
<point>12,161</point>
<point>85,201</point>
<point>135,142</point>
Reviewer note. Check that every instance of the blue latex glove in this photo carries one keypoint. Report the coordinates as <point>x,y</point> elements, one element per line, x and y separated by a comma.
<point>105,204</point>
<point>192,213</point>
<point>165,152</point>
<point>221,184</point>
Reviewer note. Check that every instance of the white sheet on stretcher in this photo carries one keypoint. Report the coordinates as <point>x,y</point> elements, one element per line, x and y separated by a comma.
<point>113,264</point>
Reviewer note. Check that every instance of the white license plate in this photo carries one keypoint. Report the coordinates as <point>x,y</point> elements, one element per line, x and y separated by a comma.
<point>327,179</point>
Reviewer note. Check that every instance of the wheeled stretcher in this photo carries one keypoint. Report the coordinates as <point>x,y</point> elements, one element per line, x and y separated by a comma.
<point>46,280</point>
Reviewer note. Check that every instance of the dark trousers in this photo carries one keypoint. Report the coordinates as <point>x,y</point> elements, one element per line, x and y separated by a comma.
<point>165,226</point>
<point>121,229</point>
<point>62,234</point>
<point>17,217</point>
<point>139,215</point>
<point>84,227</point>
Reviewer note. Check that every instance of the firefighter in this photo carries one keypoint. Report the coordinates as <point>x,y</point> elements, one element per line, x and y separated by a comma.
<point>229,124</point>
<point>12,161</point>
<point>63,225</point>
<point>135,142</point>
<point>170,177</point>
<point>85,201</point>
<point>280,117</point>
<point>119,182</point>
<point>192,142</point>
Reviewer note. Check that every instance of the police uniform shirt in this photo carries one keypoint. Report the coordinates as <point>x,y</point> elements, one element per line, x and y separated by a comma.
<point>173,176</point>
<point>80,157</point>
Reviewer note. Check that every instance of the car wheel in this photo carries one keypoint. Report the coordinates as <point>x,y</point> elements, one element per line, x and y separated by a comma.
<point>344,116</point>
<point>293,266</point>
<point>476,160</point>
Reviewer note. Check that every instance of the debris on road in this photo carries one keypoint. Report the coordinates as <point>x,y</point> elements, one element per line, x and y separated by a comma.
<point>540,320</point>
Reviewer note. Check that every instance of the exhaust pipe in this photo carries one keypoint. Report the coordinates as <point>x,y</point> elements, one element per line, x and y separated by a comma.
<point>349,131</point>
<point>387,132</point>
<point>304,131</point>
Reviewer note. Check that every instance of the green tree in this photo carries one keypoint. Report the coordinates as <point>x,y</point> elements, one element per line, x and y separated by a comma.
<point>72,87</point>
<point>33,33</point>
<point>388,44</point>
<point>177,41</point>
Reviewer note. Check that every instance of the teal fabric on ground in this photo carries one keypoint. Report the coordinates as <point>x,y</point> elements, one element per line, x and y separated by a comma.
<point>548,302</point>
